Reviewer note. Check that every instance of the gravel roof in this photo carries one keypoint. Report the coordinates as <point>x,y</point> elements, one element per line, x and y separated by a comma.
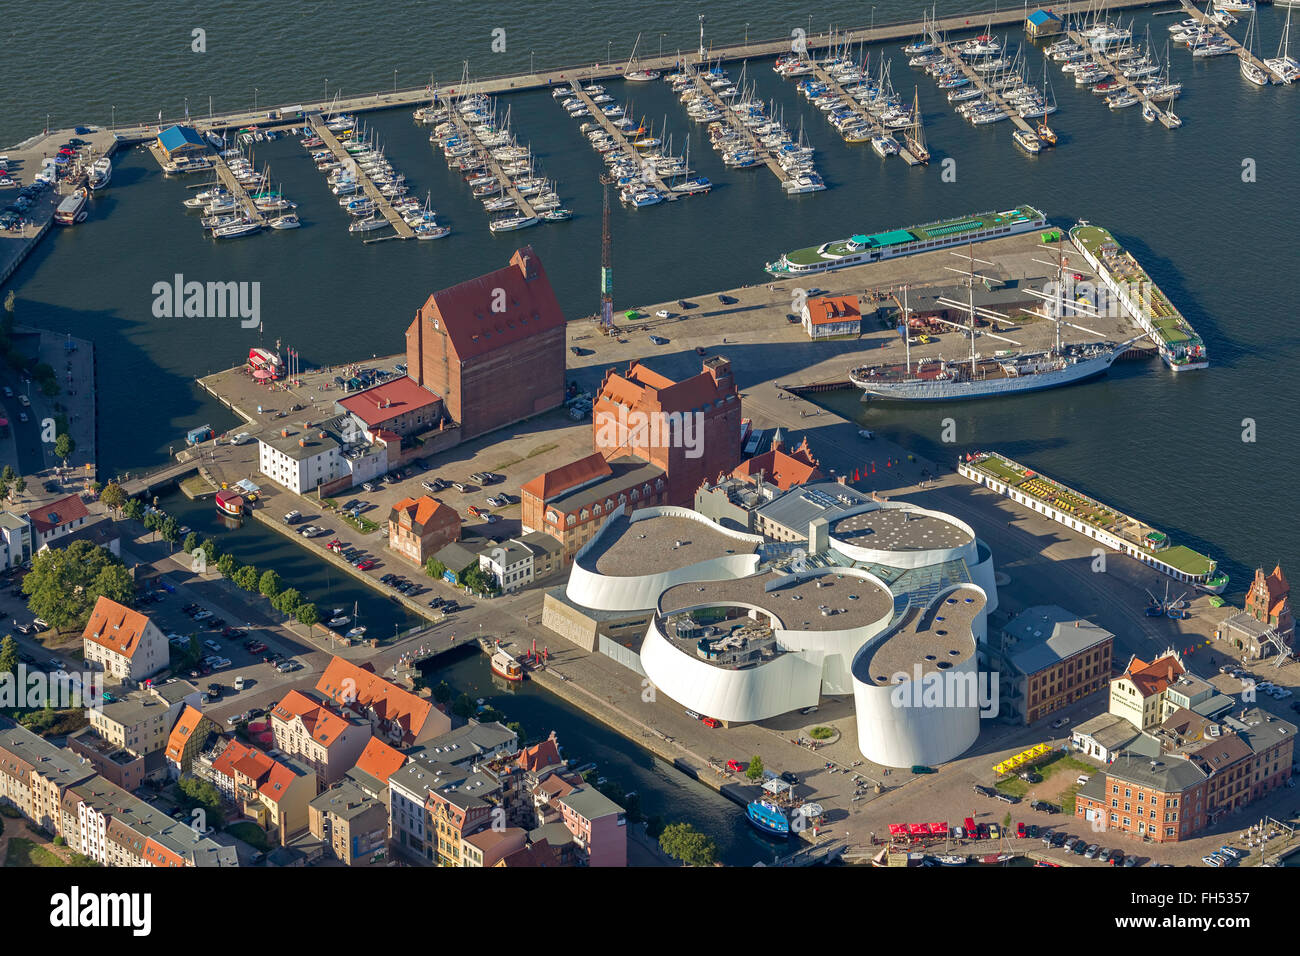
<point>938,634</point>
<point>658,544</point>
<point>798,605</point>
<point>898,529</point>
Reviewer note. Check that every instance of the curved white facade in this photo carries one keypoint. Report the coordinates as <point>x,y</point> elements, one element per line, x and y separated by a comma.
<point>602,592</point>
<point>923,714</point>
<point>967,551</point>
<point>788,683</point>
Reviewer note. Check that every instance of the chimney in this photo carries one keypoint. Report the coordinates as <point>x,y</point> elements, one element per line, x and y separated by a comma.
<point>818,535</point>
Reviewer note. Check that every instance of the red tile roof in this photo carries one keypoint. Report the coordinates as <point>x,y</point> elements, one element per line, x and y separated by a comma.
<point>155,854</point>
<point>242,759</point>
<point>644,389</point>
<point>1153,678</point>
<point>115,627</point>
<point>343,679</point>
<point>553,483</point>
<point>385,402</point>
<point>380,760</point>
<point>423,511</point>
<point>465,311</point>
<point>833,308</point>
<point>322,724</point>
<point>58,513</point>
<point>186,724</point>
<point>278,781</point>
<point>539,756</point>
<point>782,469</point>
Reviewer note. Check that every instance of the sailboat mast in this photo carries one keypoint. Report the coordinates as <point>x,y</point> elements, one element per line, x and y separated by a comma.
<point>907,332</point>
<point>970,300</point>
<point>1060,303</point>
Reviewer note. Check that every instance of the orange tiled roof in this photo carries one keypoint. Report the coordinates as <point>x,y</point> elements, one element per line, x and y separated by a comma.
<point>421,510</point>
<point>115,627</point>
<point>321,723</point>
<point>1153,678</point>
<point>186,724</point>
<point>785,470</point>
<point>278,780</point>
<point>544,754</point>
<point>242,759</point>
<point>370,691</point>
<point>380,760</point>
<point>833,308</point>
<point>551,484</point>
<point>646,389</point>
<point>155,854</point>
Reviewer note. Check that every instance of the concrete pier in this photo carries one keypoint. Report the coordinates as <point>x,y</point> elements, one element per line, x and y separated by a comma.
<point>648,174</point>
<point>368,187</point>
<point>977,80</point>
<point>1105,62</point>
<point>877,128</point>
<point>507,184</point>
<point>731,119</point>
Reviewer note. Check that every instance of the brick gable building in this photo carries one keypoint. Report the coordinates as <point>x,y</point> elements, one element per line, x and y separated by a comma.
<point>690,429</point>
<point>492,347</point>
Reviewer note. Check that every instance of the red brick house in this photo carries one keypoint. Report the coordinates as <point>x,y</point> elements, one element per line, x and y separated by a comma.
<point>690,429</point>
<point>1269,602</point>
<point>492,347</point>
<point>781,468</point>
<point>571,502</point>
<point>419,528</point>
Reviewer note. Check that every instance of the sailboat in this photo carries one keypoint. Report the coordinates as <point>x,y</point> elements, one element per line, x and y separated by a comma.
<point>915,137</point>
<point>360,629</point>
<point>1249,69</point>
<point>638,76</point>
<point>1284,66</point>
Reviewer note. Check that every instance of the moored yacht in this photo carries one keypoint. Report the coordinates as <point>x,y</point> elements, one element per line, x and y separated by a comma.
<point>100,173</point>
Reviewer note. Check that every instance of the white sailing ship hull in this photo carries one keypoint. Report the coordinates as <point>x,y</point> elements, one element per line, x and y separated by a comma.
<point>942,391</point>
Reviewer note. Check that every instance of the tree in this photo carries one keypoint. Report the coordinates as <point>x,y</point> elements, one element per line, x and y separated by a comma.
<point>227,565</point>
<point>170,529</point>
<point>518,728</point>
<point>246,577</point>
<point>442,693</point>
<point>8,474</point>
<point>755,769</point>
<point>152,521</point>
<point>8,655</point>
<point>113,497</point>
<point>191,543</point>
<point>464,706</point>
<point>434,568</point>
<point>269,584</point>
<point>681,841</point>
<point>287,601</point>
<point>308,614</point>
<point>64,447</point>
<point>133,508</point>
<point>65,583</point>
<point>480,581</point>
<point>96,487</point>
<point>210,550</point>
<point>20,485</point>
<point>4,488</point>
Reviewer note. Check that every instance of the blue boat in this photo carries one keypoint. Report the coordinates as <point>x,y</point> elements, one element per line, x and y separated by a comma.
<point>768,818</point>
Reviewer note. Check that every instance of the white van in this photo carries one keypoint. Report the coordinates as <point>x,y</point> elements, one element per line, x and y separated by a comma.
<point>1082,779</point>
<point>239,683</point>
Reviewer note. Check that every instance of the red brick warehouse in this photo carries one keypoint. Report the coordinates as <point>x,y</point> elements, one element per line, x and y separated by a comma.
<point>492,347</point>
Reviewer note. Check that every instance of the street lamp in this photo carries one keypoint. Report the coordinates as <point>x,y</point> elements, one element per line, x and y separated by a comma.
<point>255,99</point>
<point>531,71</point>
<point>609,53</point>
<point>746,34</point>
<point>394,80</point>
<point>327,90</point>
<point>113,121</point>
<point>661,45</point>
<point>873,19</point>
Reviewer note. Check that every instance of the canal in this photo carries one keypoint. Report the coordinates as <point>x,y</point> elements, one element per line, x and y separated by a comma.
<point>663,790</point>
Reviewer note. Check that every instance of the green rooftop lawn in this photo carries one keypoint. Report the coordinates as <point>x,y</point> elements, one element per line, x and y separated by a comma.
<point>1000,471</point>
<point>1185,559</point>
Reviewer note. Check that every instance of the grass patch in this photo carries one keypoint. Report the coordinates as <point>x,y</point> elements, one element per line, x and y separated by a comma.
<point>503,465</point>
<point>196,486</point>
<point>251,834</point>
<point>1013,786</point>
<point>23,852</point>
<point>361,523</point>
<point>821,733</point>
<point>542,449</point>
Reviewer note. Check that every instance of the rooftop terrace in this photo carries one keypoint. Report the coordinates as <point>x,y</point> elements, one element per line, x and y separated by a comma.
<point>841,602</point>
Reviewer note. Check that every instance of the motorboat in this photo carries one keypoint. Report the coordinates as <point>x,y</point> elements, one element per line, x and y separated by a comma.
<point>236,230</point>
<point>285,222</point>
<point>101,171</point>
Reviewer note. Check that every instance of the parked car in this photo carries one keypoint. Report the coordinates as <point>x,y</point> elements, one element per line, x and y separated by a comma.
<point>921,769</point>
<point>212,645</point>
<point>1060,722</point>
<point>984,791</point>
<point>1044,806</point>
<point>735,766</point>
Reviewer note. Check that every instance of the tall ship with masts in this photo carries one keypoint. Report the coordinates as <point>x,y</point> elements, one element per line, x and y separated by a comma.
<point>1005,373</point>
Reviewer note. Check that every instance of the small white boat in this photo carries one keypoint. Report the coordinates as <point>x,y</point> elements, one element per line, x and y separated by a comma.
<point>511,223</point>
<point>100,173</point>
<point>357,631</point>
<point>236,230</point>
<point>285,222</point>
<point>339,621</point>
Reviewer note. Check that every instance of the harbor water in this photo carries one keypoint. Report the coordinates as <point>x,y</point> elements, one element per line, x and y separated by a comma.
<point>1207,209</point>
